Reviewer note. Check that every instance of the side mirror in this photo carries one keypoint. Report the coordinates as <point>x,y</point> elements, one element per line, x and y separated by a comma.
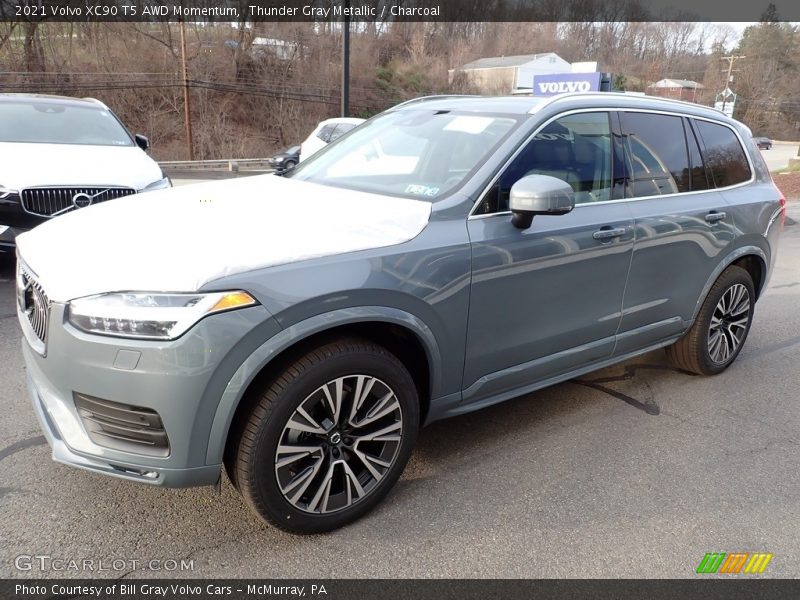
<point>142,141</point>
<point>539,195</point>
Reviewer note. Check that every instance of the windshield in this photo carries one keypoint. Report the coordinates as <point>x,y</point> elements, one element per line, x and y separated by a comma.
<point>420,154</point>
<point>50,123</point>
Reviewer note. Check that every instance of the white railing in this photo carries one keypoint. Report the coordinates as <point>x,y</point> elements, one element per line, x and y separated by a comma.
<point>232,164</point>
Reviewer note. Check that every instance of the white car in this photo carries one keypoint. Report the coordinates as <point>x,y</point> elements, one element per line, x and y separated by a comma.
<point>326,132</point>
<point>62,154</point>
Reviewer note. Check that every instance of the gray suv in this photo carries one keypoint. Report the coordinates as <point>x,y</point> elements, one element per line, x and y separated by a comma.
<point>449,254</point>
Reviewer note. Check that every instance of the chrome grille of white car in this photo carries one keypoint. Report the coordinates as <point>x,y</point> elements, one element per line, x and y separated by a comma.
<point>53,201</point>
<point>33,302</point>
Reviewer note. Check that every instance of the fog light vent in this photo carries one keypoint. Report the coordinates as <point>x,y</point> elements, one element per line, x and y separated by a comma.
<point>122,427</point>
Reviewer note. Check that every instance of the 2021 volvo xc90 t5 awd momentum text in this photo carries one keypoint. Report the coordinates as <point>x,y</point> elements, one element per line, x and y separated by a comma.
<point>299,330</point>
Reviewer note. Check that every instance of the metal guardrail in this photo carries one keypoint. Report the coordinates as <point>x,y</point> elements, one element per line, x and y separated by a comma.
<point>233,164</point>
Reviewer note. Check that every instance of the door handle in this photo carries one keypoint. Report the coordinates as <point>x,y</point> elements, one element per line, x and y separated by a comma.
<point>607,233</point>
<point>715,216</point>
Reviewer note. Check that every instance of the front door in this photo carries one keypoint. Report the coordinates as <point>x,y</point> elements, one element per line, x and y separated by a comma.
<point>548,298</point>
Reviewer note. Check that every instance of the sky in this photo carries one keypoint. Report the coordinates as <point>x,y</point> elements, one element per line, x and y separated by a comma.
<point>738,27</point>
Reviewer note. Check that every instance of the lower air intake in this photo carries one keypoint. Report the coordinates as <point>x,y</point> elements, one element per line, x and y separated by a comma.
<point>123,427</point>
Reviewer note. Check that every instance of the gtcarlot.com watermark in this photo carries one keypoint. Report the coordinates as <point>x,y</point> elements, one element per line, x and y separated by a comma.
<point>49,563</point>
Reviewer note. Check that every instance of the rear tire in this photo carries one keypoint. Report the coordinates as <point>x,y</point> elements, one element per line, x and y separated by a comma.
<point>715,339</point>
<point>328,438</point>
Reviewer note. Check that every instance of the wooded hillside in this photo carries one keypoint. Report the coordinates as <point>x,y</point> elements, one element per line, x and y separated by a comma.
<point>257,88</point>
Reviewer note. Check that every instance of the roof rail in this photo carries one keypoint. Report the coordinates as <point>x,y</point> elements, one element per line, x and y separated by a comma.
<point>95,100</point>
<point>435,97</point>
<point>645,98</point>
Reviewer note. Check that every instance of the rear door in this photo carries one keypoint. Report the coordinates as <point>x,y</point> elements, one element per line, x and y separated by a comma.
<point>682,224</point>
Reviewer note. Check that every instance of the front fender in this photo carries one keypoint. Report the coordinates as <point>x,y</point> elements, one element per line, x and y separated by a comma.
<point>288,337</point>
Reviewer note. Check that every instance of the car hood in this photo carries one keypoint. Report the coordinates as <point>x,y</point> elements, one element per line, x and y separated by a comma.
<point>69,165</point>
<point>181,238</point>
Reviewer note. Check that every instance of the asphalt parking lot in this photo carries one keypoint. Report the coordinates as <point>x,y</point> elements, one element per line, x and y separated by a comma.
<point>634,471</point>
<point>778,156</point>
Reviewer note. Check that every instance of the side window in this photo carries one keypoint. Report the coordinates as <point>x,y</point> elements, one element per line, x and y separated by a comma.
<point>325,133</point>
<point>699,180</point>
<point>575,148</point>
<point>723,154</point>
<point>340,130</point>
<point>658,159</point>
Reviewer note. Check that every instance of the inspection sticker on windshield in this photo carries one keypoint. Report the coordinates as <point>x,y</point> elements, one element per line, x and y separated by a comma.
<point>422,190</point>
<point>469,124</point>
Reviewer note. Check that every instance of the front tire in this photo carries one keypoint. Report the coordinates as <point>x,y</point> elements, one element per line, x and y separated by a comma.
<point>328,438</point>
<point>721,327</point>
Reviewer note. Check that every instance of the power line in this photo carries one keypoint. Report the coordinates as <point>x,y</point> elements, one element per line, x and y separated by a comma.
<point>328,99</point>
<point>68,78</point>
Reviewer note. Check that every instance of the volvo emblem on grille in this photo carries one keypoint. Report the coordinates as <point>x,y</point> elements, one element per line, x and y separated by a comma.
<point>82,200</point>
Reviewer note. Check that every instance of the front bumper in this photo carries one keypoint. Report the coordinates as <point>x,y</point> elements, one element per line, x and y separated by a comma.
<point>62,453</point>
<point>182,380</point>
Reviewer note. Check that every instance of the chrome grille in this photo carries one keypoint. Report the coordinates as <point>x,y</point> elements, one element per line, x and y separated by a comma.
<point>53,201</point>
<point>33,302</point>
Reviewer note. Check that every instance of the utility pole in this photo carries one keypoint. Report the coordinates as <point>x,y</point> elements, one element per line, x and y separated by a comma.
<point>346,61</point>
<point>731,59</point>
<point>187,110</point>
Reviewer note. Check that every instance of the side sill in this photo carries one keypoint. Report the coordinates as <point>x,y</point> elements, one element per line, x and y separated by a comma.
<point>445,408</point>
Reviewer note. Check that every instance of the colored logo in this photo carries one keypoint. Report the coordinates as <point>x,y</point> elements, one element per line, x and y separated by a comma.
<point>734,562</point>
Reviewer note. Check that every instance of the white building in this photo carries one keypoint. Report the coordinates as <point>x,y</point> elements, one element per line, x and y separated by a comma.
<point>514,74</point>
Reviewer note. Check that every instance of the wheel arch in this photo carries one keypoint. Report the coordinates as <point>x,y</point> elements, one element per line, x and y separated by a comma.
<point>402,333</point>
<point>757,269</point>
<point>751,258</point>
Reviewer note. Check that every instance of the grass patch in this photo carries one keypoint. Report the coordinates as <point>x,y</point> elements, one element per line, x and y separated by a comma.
<point>792,168</point>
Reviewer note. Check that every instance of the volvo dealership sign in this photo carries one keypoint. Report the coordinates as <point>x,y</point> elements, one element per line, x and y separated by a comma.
<point>560,83</point>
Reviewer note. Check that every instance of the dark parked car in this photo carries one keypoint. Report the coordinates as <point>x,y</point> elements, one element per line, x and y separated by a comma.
<point>763,143</point>
<point>286,159</point>
<point>446,255</point>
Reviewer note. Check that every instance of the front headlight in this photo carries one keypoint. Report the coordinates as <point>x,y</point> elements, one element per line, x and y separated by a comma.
<point>161,184</point>
<point>146,315</point>
<point>5,192</point>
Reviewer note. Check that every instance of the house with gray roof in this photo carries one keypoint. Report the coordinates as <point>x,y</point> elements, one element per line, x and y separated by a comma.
<point>510,74</point>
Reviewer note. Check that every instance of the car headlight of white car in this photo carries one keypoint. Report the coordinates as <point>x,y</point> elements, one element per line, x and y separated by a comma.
<point>5,192</point>
<point>146,315</point>
<point>160,184</point>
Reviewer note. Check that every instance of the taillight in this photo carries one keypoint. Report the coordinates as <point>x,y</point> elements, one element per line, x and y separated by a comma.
<point>782,202</point>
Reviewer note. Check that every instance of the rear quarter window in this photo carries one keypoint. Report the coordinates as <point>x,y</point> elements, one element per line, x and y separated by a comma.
<point>325,133</point>
<point>341,129</point>
<point>723,154</point>
<point>658,155</point>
